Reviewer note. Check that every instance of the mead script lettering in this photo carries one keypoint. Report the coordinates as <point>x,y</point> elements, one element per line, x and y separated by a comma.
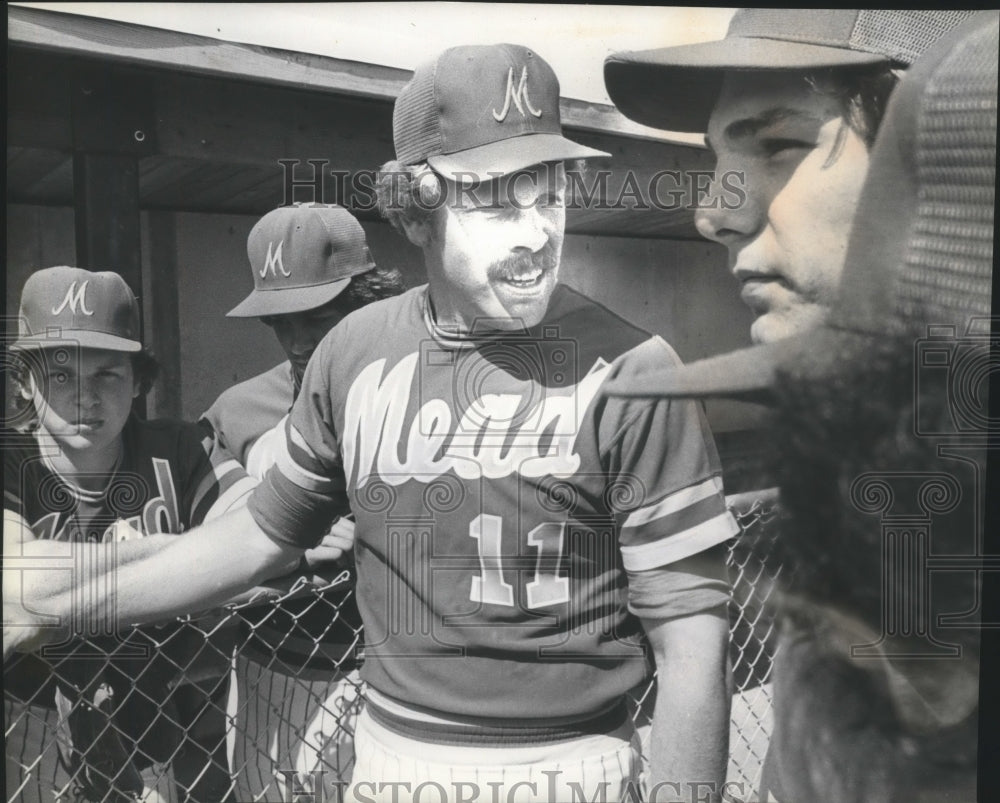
<point>479,445</point>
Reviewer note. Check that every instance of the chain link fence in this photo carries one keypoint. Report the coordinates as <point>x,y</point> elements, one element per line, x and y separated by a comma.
<point>753,573</point>
<point>257,702</point>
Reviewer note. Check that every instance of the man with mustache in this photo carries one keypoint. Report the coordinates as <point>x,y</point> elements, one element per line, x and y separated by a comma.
<point>790,102</point>
<point>516,535</point>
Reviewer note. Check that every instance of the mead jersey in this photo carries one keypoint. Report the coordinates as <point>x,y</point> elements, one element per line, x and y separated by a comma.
<point>248,420</point>
<point>248,417</point>
<point>499,499</point>
<point>168,480</point>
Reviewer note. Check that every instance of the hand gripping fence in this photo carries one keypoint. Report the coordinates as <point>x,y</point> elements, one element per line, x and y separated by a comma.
<point>213,714</point>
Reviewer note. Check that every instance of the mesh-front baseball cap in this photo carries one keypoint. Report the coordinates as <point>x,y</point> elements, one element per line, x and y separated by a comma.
<point>302,257</point>
<point>675,88</point>
<point>91,309</point>
<point>482,109</point>
<point>921,251</point>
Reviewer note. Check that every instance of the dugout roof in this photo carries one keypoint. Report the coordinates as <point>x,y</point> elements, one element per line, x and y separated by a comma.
<point>202,122</point>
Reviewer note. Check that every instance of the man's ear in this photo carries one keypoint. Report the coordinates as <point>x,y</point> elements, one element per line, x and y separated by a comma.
<point>26,386</point>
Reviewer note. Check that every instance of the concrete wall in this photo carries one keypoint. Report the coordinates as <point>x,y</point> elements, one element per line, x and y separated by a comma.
<point>678,289</point>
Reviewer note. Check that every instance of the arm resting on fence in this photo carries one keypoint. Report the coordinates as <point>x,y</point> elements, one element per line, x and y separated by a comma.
<point>43,567</point>
<point>195,571</point>
<point>323,566</point>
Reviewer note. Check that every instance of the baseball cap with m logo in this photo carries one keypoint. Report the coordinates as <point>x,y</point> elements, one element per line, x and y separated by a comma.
<point>302,257</point>
<point>94,309</point>
<point>482,111</point>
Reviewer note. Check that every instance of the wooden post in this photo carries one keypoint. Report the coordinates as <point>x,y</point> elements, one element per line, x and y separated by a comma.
<point>113,126</point>
<point>106,197</point>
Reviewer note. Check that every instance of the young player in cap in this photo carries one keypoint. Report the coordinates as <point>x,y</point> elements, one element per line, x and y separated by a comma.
<point>880,458</point>
<point>82,467</point>
<point>791,100</point>
<point>515,535</point>
<point>295,691</point>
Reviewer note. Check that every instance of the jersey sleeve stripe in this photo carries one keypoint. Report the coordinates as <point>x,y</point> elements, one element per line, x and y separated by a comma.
<point>221,476</point>
<point>674,502</point>
<point>679,522</point>
<point>295,472</point>
<point>681,545</point>
<point>299,447</point>
<point>232,497</point>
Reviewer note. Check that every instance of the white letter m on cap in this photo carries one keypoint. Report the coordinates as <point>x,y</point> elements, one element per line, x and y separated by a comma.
<point>519,96</point>
<point>273,261</point>
<point>75,297</point>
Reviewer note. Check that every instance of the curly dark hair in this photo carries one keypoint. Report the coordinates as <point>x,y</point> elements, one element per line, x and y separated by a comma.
<point>374,285</point>
<point>396,193</point>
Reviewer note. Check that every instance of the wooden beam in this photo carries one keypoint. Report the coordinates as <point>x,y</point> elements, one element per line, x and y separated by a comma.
<point>165,334</point>
<point>112,122</point>
<point>140,45</point>
<point>106,191</point>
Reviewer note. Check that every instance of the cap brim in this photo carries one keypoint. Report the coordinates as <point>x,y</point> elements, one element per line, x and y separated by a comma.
<point>496,159</point>
<point>79,339</point>
<point>675,88</point>
<point>288,300</point>
<point>747,374</point>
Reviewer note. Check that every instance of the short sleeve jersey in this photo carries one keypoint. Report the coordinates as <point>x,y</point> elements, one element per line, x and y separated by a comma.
<point>248,418</point>
<point>169,479</point>
<point>500,499</point>
<point>248,421</point>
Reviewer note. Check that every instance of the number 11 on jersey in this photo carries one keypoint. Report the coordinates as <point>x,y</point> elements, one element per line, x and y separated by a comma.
<point>548,588</point>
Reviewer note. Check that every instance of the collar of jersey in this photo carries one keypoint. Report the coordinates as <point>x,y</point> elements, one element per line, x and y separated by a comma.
<point>455,338</point>
<point>74,490</point>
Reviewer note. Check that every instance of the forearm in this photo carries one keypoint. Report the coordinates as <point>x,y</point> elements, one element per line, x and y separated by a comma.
<point>45,569</point>
<point>193,572</point>
<point>324,565</point>
<point>690,734</point>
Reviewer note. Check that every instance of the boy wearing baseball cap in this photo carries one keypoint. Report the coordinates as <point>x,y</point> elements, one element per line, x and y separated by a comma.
<point>515,536</point>
<point>790,102</point>
<point>881,421</point>
<point>79,466</point>
<point>295,679</point>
